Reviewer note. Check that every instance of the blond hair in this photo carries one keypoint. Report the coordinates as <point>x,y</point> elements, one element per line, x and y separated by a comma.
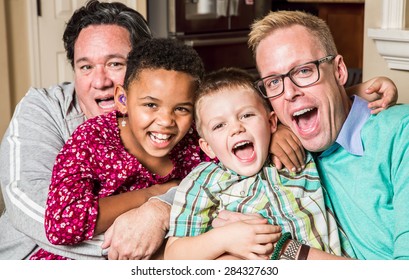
<point>219,80</point>
<point>284,19</point>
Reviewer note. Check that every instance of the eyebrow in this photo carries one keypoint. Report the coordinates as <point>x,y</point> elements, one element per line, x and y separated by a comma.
<point>150,98</point>
<point>108,57</point>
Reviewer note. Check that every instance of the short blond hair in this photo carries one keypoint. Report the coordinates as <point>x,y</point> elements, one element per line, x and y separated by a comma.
<point>219,80</point>
<point>284,19</point>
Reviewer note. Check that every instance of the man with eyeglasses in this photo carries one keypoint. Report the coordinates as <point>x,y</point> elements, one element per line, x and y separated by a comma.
<point>363,159</point>
<point>302,75</point>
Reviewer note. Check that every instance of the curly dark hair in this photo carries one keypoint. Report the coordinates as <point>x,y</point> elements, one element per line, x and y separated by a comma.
<point>98,13</point>
<point>163,53</point>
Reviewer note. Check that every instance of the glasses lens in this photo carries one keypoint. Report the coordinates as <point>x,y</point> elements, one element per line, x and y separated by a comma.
<point>305,75</point>
<point>272,85</point>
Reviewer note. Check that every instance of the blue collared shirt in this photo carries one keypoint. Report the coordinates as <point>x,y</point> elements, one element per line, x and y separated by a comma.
<point>350,135</point>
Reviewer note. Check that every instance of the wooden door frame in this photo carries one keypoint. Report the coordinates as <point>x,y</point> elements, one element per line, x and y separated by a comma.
<point>33,43</point>
<point>5,106</point>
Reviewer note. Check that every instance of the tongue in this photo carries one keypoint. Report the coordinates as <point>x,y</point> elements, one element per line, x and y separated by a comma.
<point>245,152</point>
<point>306,120</point>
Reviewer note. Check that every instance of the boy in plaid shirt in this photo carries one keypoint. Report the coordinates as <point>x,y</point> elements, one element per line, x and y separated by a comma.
<point>235,124</point>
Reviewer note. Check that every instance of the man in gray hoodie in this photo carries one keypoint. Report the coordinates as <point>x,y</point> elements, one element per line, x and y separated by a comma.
<point>97,39</point>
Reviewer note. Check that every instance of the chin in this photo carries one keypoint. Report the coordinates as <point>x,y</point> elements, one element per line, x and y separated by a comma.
<point>315,147</point>
<point>249,171</point>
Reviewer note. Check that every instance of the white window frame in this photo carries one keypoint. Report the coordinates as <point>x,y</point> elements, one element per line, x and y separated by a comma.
<point>392,39</point>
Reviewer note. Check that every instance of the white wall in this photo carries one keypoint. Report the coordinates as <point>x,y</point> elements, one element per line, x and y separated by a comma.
<point>375,64</point>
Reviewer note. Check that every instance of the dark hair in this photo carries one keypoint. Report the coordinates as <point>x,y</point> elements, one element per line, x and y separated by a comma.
<point>163,53</point>
<point>98,13</point>
<point>226,78</point>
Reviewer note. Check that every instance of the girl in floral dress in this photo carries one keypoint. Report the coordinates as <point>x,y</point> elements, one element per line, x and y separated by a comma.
<point>116,162</point>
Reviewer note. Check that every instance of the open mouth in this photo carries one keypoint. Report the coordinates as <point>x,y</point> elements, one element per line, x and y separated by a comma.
<point>159,137</point>
<point>106,103</point>
<point>306,119</point>
<point>244,150</point>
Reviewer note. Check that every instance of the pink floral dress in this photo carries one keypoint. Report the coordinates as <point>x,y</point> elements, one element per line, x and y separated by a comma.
<point>94,164</point>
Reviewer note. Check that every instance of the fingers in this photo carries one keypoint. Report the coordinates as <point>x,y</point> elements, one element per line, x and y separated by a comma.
<point>386,101</point>
<point>287,149</point>
<point>260,252</point>
<point>267,238</point>
<point>262,227</point>
<point>377,106</point>
<point>225,214</point>
<point>107,238</point>
<point>386,94</point>
<point>287,158</point>
<point>277,163</point>
<point>291,154</point>
<point>258,222</point>
<point>219,222</point>
<point>113,254</point>
<point>374,87</point>
<point>263,249</point>
<point>298,149</point>
<point>267,228</point>
<point>128,254</point>
<point>251,216</point>
<point>227,217</point>
<point>237,216</point>
<point>264,244</point>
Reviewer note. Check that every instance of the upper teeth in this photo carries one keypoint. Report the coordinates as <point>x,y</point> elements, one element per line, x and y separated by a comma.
<point>302,112</point>
<point>161,136</point>
<point>241,144</point>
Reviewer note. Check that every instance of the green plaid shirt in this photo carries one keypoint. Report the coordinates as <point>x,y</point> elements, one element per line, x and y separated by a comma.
<point>294,201</point>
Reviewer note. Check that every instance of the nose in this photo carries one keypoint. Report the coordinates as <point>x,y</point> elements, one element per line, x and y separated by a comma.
<point>101,79</point>
<point>291,91</point>
<point>236,128</point>
<point>165,118</point>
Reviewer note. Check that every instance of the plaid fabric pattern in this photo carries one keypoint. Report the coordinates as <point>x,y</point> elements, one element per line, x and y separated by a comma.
<point>293,201</point>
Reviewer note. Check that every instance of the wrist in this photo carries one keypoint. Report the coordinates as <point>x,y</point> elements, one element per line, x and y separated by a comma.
<point>161,211</point>
<point>294,250</point>
<point>288,249</point>
<point>278,248</point>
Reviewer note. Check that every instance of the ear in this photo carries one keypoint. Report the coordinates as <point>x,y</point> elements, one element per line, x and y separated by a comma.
<point>119,91</point>
<point>273,121</point>
<point>341,71</point>
<point>206,148</point>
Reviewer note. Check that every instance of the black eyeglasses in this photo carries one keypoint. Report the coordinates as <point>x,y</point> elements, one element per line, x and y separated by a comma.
<point>302,76</point>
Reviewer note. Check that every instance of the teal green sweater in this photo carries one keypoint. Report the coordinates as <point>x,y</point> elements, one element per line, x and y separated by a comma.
<point>370,192</point>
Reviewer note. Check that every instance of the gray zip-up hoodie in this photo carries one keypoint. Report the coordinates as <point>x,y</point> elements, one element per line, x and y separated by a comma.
<point>42,122</point>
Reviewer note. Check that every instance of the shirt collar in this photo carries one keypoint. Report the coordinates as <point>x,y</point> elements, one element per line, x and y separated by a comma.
<point>350,135</point>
